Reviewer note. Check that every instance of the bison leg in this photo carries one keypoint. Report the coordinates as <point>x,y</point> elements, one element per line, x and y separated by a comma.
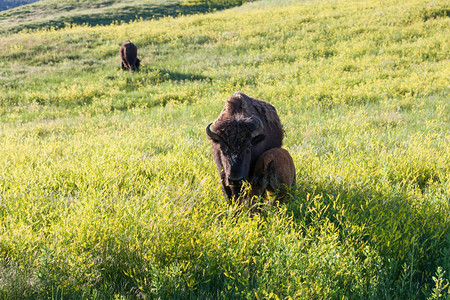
<point>280,196</point>
<point>226,191</point>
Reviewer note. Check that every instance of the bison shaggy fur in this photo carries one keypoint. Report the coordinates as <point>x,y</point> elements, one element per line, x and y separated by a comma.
<point>128,55</point>
<point>274,172</point>
<point>245,128</point>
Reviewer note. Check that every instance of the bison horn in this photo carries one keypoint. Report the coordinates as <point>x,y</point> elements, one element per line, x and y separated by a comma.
<point>260,128</point>
<point>211,133</point>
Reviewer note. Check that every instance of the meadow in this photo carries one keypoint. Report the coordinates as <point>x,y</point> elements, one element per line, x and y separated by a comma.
<point>45,14</point>
<point>108,187</point>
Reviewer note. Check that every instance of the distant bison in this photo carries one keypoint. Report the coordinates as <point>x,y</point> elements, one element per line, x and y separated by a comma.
<point>246,128</point>
<point>274,172</point>
<point>128,55</point>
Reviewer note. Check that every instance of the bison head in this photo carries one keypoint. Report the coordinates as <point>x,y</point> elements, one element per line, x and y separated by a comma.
<point>233,143</point>
<point>264,178</point>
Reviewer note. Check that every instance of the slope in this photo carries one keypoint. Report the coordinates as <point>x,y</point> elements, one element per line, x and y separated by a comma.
<point>50,13</point>
<point>8,4</point>
<point>108,187</point>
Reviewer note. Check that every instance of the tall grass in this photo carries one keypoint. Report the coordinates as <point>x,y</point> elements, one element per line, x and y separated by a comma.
<point>108,187</point>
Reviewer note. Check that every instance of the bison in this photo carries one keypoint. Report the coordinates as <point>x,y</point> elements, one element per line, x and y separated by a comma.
<point>128,55</point>
<point>245,128</point>
<point>274,172</point>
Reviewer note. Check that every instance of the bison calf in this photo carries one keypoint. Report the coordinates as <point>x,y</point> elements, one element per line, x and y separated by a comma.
<point>128,55</point>
<point>274,172</point>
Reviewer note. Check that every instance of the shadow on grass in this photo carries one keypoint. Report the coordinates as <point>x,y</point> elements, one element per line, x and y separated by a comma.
<point>411,237</point>
<point>177,76</point>
<point>107,16</point>
<point>8,4</point>
<point>146,76</point>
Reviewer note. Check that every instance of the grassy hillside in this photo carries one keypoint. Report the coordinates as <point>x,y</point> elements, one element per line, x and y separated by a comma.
<point>57,14</point>
<point>108,187</point>
<point>8,4</point>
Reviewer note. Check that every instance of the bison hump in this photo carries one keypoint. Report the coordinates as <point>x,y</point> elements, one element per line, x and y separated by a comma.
<point>240,103</point>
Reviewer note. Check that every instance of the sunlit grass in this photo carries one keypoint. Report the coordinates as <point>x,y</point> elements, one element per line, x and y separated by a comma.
<point>108,187</point>
<point>57,14</point>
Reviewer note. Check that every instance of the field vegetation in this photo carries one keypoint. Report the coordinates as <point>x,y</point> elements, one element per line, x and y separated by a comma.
<point>58,14</point>
<point>108,187</point>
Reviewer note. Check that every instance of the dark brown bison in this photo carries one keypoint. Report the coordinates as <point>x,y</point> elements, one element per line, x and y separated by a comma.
<point>274,172</point>
<point>128,55</point>
<point>246,128</point>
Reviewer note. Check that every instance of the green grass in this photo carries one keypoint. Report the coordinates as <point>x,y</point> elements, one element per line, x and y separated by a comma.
<point>57,14</point>
<point>108,186</point>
